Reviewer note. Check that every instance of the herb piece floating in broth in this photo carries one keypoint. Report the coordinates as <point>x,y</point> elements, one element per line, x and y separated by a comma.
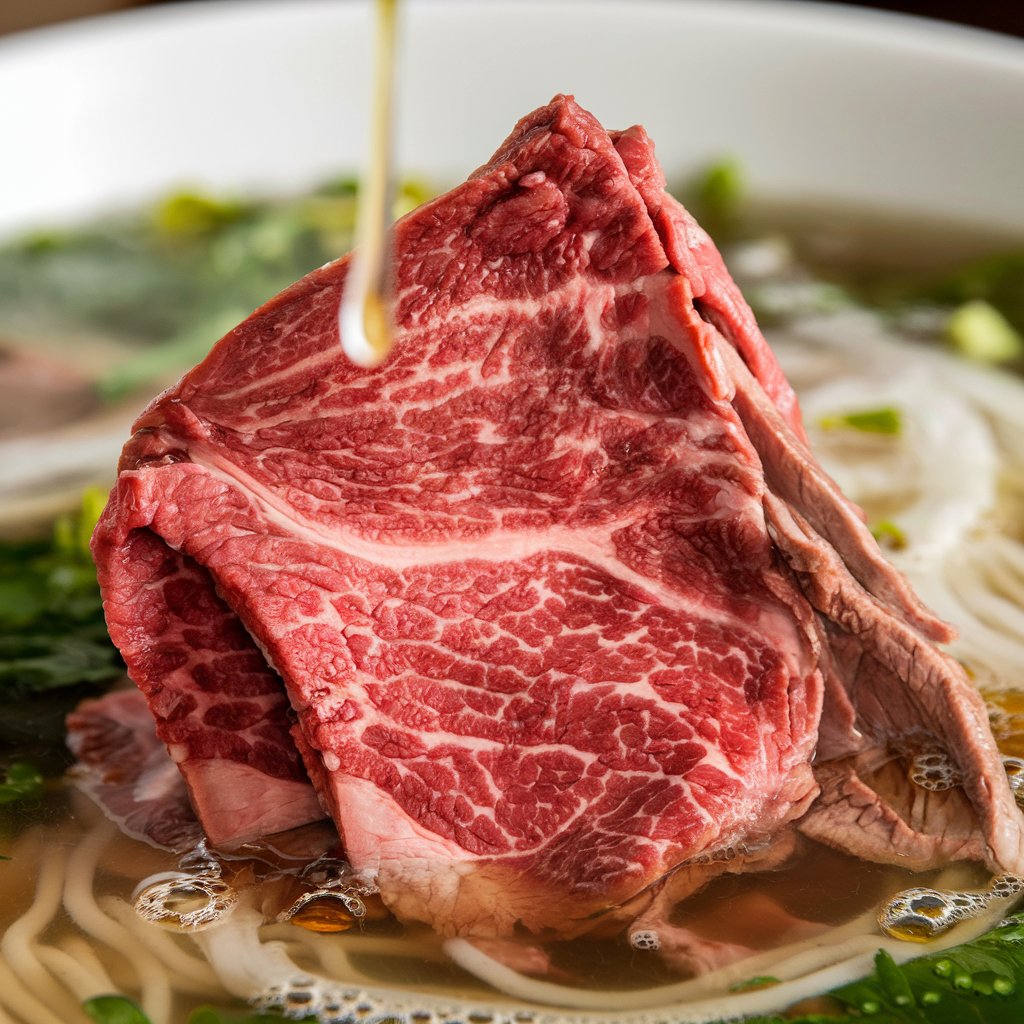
<point>214,1015</point>
<point>887,420</point>
<point>114,1010</point>
<point>751,984</point>
<point>889,535</point>
<point>22,780</point>
<point>981,332</point>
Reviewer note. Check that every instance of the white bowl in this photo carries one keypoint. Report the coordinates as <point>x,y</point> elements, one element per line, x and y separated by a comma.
<point>821,101</point>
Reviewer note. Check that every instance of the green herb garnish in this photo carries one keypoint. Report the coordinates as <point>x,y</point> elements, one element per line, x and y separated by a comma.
<point>889,535</point>
<point>981,332</point>
<point>52,632</point>
<point>886,420</point>
<point>188,213</point>
<point>980,982</point>
<point>715,196</point>
<point>114,1010</point>
<point>54,647</point>
<point>21,780</point>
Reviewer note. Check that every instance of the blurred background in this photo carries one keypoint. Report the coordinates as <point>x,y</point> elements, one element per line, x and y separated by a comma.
<point>997,15</point>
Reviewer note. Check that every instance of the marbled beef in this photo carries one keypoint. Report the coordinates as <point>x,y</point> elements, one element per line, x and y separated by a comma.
<point>547,601</point>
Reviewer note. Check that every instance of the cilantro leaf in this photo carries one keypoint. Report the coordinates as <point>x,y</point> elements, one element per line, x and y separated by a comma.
<point>54,647</point>
<point>114,1010</point>
<point>21,780</point>
<point>980,982</point>
<point>52,632</point>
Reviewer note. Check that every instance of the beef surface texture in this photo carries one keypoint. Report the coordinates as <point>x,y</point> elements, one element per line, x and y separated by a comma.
<point>553,602</point>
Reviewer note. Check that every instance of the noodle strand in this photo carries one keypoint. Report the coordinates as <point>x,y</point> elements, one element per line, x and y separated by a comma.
<point>154,980</point>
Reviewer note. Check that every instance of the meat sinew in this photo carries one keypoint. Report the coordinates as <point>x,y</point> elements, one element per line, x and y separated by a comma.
<point>551,602</point>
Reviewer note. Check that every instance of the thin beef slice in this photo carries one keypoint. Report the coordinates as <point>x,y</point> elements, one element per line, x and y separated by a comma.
<point>540,639</point>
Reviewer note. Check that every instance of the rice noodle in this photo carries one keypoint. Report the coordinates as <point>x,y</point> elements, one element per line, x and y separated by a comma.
<point>20,942</point>
<point>965,427</point>
<point>190,973</point>
<point>85,956</point>
<point>20,1001</point>
<point>82,982</point>
<point>80,903</point>
<point>19,950</point>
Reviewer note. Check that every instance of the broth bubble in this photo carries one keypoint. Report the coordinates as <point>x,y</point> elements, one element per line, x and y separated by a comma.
<point>921,914</point>
<point>645,940</point>
<point>934,770</point>
<point>336,902</point>
<point>325,910</point>
<point>184,900</point>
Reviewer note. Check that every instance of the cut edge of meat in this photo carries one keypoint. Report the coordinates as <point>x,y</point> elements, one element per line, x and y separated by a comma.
<point>179,653</point>
<point>239,804</point>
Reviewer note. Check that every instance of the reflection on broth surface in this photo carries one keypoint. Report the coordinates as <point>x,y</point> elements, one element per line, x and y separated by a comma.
<point>263,925</point>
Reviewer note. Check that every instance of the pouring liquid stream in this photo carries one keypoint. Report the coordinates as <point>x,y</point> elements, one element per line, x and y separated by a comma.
<point>364,317</point>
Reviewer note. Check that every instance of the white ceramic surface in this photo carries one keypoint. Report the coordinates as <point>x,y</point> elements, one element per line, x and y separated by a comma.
<point>815,100</point>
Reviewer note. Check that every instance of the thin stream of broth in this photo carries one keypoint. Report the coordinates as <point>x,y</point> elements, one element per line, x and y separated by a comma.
<point>364,317</point>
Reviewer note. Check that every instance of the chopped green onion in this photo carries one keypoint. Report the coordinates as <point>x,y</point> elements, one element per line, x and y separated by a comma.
<point>187,213</point>
<point>715,195</point>
<point>979,331</point>
<point>722,188</point>
<point>412,193</point>
<point>886,420</point>
<point>73,531</point>
<point>889,535</point>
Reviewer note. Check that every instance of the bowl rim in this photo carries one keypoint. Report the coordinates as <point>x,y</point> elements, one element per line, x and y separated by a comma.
<point>806,17</point>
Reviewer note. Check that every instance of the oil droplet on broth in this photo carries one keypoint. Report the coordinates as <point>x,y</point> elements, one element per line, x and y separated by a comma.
<point>921,914</point>
<point>323,912</point>
<point>335,907</point>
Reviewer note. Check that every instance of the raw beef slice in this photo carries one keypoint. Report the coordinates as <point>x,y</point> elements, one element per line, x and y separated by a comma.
<point>553,593</point>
